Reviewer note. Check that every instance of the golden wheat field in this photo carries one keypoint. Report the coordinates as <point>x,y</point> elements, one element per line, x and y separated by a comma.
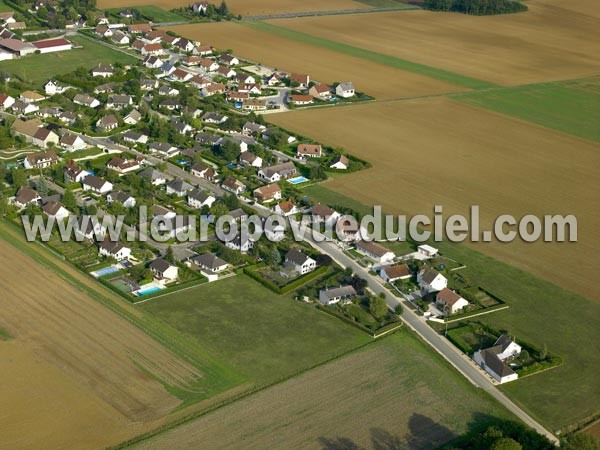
<point>248,8</point>
<point>323,65</point>
<point>437,151</point>
<point>549,42</point>
<point>79,374</point>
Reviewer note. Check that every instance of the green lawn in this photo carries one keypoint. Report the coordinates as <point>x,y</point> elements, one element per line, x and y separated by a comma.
<point>4,7</point>
<point>264,336</point>
<point>540,312</point>
<point>380,58</point>
<point>37,69</point>
<point>154,13</point>
<point>561,106</point>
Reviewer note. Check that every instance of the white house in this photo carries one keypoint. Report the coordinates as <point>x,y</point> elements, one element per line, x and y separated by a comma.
<point>86,100</point>
<point>89,228</point>
<point>114,250</point>
<point>96,184</point>
<point>324,214</point>
<point>198,199</point>
<point>72,142</point>
<point>278,172</point>
<point>209,261</point>
<point>340,162</point>
<point>178,187</point>
<point>395,272</point>
<point>6,101</point>
<point>300,262</point>
<point>155,177</point>
<point>286,208</point>
<point>238,243</point>
<point>56,210</point>
<point>450,302</point>
<point>127,200</point>
<point>494,360</point>
<point>345,89</point>
<point>427,250</point>
<point>233,185</point>
<point>375,251</point>
<point>332,296</point>
<point>430,280</point>
<point>163,270</point>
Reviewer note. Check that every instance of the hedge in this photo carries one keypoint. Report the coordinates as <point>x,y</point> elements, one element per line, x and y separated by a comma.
<point>285,289</point>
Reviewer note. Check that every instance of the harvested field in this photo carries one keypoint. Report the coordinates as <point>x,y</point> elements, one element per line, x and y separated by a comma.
<point>321,64</point>
<point>552,41</point>
<point>249,8</point>
<point>394,392</point>
<point>440,152</point>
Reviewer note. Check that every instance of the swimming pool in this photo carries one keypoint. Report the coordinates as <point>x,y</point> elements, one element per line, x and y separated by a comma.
<point>298,180</point>
<point>148,290</point>
<point>104,271</point>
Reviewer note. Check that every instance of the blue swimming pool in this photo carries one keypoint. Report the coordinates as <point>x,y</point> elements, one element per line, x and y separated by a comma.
<point>105,271</point>
<point>148,290</point>
<point>298,180</point>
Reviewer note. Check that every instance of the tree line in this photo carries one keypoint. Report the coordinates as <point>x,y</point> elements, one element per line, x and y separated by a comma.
<point>476,7</point>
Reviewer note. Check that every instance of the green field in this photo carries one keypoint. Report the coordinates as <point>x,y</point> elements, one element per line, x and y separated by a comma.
<point>571,107</point>
<point>153,13</point>
<point>264,336</point>
<point>393,394</point>
<point>4,7</point>
<point>380,58</point>
<point>539,313</point>
<point>37,69</point>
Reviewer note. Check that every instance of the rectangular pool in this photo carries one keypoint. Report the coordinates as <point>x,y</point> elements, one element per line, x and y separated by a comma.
<point>104,271</point>
<point>148,290</point>
<point>298,180</point>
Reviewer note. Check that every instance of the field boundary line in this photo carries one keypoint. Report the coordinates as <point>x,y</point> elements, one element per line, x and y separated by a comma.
<point>333,12</point>
<point>482,313</point>
<point>166,294</point>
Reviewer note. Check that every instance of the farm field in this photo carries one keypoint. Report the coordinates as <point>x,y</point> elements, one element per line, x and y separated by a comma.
<point>475,157</point>
<point>324,65</point>
<point>37,69</point>
<point>552,41</point>
<point>394,391</point>
<point>264,336</point>
<point>249,8</point>
<point>571,106</point>
<point>567,385</point>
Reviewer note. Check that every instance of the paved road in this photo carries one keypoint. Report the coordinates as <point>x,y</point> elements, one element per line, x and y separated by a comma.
<point>439,343</point>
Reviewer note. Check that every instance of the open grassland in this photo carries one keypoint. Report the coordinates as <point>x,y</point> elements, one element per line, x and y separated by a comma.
<point>249,8</point>
<point>37,69</point>
<point>262,335</point>
<point>392,394</point>
<point>437,151</point>
<point>322,64</point>
<point>572,106</point>
<point>550,42</point>
<point>540,312</point>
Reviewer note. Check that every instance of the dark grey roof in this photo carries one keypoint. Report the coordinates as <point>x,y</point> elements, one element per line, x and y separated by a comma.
<point>199,195</point>
<point>429,274</point>
<point>209,260</point>
<point>296,257</point>
<point>499,367</point>
<point>342,291</point>
<point>160,265</point>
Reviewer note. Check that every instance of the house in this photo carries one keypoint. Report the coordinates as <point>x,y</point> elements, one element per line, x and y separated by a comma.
<point>348,229</point>
<point>450,302</point>
<point>254,104</point>
<point>286,208</point>
<point>245,78</point>
<point>340,162</point>
<point>31,97</point>
<point>133,117</point>
<point>168,90</point>
<point>103,70</point>
<point>212,89</point>
<point>250,159</point>
<point>113,249</point>
<point>68,117</point>
<point>345,89</point>
<point>253,129</point>
<point>86,100</point>
<point>494,360</point>
<point>17,47</point>
<point>25,196</point>
<point>200,82</point>
<point>7,17</point>
<point>208,173</point>
<point>332,296</point>
<point>181,75</point>
<point>178,187</point>
<point>52,111</point>
<point>120,38</point>
<point>301,99</point>
<point>127,200</point>
<point>300,262</point>
<point>134,137</point>
<point>184,45</point>
<point>19,26</point>
<point>305,151</point>
<point>159,211</point>
<point>181,127</point>
<point>208,65</point>
<point>107,123</point>
<point>320,91</point>
<point>430,280</point>
<point>56,210</point>
<point>6,101</point>
<point>241,242</point>
<point>32,131</point>
<point>198,199</point>
<point>321,213</point>
<point>199,7</point>
<point>226,72</point>
<point>170,104</point>
<point>300,80</point>
<point>152,62</point>
<point>395,272</point>
<point>89,228</point>
<point>96,184</point>
<point>234,96</point>
<point>119,101</point>
<point>209,261</point>
<point>103,31</point>
<point>173,225</point>
<point>105,88</point>
<point>268,193</point>
<point>22,108</point>
<point>123,165</point>
<point>138,45</point>
<point>230,60</point>
<point>375,251</point>
<point>72,142</point>
<point>52,87</point>
<point>74,174</point>
<point>215,118</point>
<point>233,185</point>
<point>273,80</point>
<point>163,149</point>
<point>202,50</point>
<point>147,84</point>
<point>427,250</point>
<point>138,28</point>
<point>207,139</point>
<point>277,172</point>
<point>155,177</point>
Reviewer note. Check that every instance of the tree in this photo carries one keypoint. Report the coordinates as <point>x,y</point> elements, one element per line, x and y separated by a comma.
<point>42,187</point>
<point>223,8</point>
<point>378,307</point>
<point>506,443</point>
<point>229,150</point>
<point>359,284</point>
<point>68,200</point>
<point>18,177</point>
<point>317,173</point>
<point>524,356</point>
<point>323,260</point>
<point>581,441</point>
<point>219,209</point>
<point>543,352</point>
<point>169,255</point>
<point>398,309</point>
<point>231,201</point>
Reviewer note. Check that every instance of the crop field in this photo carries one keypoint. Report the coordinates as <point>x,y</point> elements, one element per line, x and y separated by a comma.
<point>249,8</point>
<point>37,69</point>
<point>440,152</point>
<point>550,42</point>
<point>394,393</point>
<point>264,336</point>
<point>379,80</point>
